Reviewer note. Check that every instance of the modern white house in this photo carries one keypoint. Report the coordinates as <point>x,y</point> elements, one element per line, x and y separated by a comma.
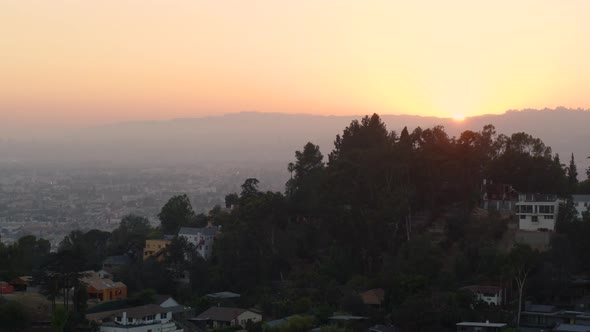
<point>146,318</point>
<point>537,212</point>
<point>201,238</point>
<point>581,203</point>
<point>492,295</point>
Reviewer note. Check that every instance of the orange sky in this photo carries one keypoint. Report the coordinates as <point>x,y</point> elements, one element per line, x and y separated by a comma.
<point>72,62</point>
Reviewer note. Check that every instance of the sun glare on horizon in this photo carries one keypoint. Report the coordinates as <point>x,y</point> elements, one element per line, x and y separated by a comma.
<point>458,117</point>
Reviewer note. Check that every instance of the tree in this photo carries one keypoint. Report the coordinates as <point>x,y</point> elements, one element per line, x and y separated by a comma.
<point>231,200</point>
<point>521,261</point>
<point>176,213</point>
<point>249,188</point>
<point>59,319</point>
<point>130,235</point>
<point>13,316</point>
<point>572,174</point>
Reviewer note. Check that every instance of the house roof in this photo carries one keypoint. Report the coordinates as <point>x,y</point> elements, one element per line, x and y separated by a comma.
<point>571,328</point>
<point>581,198</point>
<point>24,280</point>
<point>100,283</point>
<point>480,324</point>
<point>223,295</point>
<point>540,308</point>
<point>382,328</point>
<point>134,312</point>
<point>207,231</point>
<point>221,314</point>
<point>117,260</point>
<point>373,296</point>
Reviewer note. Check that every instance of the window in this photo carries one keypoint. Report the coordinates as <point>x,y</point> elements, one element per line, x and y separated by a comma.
<point>163,315</point>
<point>150,317</point>
<point>547,209</point>
<point>547,217</point>
<point>535,219</point>
<point>118,318</point>
<point>522,216</point>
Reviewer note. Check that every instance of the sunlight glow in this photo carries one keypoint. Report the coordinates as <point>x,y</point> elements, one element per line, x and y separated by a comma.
<point>458,117</point>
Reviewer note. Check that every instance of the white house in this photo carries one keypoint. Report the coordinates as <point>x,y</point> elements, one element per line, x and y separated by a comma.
<point>218,317</point>
<point>201,238</point>
<point>146,318</point>
<point>537,212</point>
<point>581,203</point>
<point>491,295</point>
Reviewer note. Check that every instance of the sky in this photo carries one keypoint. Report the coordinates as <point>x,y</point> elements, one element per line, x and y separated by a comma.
<point>72,63</point>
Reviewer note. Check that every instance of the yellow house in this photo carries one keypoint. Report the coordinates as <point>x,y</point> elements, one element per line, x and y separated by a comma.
<point>154,248</point>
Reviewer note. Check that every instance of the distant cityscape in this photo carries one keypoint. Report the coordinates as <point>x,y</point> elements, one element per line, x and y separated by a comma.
<point>50,202</point>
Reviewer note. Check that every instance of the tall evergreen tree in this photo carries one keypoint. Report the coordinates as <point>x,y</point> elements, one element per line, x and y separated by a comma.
<point>572,174</point>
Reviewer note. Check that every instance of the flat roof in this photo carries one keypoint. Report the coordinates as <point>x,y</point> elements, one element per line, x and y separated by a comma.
<point>480,324</point>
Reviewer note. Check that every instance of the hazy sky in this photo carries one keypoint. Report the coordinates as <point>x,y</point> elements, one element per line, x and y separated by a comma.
<point>72,63</point>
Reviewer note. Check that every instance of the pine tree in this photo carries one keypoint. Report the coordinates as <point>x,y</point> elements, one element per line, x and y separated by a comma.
<point>572,174</point>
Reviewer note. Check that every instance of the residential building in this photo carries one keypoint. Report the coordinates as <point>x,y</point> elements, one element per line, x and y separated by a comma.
<point>537,212</point>
<point>480,327</point>
<point>146,318</point>
<point>373,297</point>
<point>498,196</point>
<point>102,288</point>
<point>571,328</point>
<point>219,317</point>
<point>21,283</point>
<point>155,248</point>
<point>201,238</point>
<point>581,203</point>
<point>6,288</point>
<point>491,295</point>
<point>113,264</point>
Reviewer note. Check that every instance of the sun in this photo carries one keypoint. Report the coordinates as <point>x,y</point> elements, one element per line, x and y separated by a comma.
<point>458,117</point>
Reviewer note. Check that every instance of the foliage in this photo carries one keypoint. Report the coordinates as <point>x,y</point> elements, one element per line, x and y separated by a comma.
<point>176,213</point>
<point>59,319</point>
<point>13,316</point>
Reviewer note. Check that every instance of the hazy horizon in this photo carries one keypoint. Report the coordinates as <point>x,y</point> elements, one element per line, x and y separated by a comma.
<point>71,64</point>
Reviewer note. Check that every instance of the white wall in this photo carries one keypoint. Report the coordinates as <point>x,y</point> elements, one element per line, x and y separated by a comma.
<point>581,207</point>
<point>248,315</point>
<point>543,220</point>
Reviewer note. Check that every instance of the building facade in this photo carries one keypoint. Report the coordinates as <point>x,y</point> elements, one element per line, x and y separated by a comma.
<point>103,289</point>
<point>154,248</point>
<point>537,212</point>
<point>201,238</point>
<point>581,203</point>
<point>146,318</point>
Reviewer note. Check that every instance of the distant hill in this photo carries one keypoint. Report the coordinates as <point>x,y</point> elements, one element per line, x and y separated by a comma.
<point>272,138</point>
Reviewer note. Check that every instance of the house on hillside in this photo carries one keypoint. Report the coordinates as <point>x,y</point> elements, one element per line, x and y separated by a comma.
<point>112,264</point>
<point>21,283</point>
<point>201,238</point>
<point>491,295</point>
<point>581,203</point>
<point>146,318</point>
<point>373,297</point>
<point>219,317</point>
<point>6,288</point>
<point>537,212</point>
<point>155,248</point>
<point>498,196</point>
<point>103,289</point>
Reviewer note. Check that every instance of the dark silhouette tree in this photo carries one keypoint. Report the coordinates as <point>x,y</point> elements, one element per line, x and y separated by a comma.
<point>176,213</point>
